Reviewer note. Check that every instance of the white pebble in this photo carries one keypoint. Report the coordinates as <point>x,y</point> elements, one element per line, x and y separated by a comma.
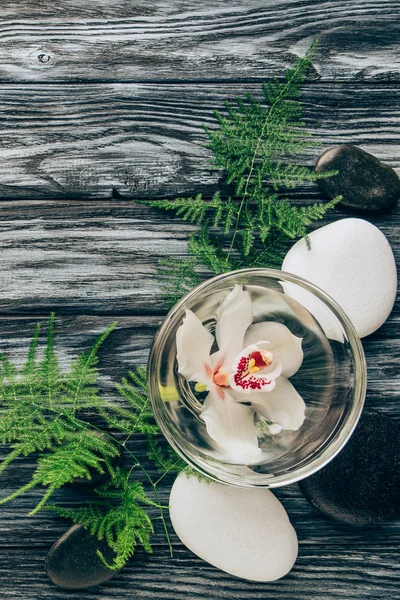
<point>353,262</point>
<point>244,532</point>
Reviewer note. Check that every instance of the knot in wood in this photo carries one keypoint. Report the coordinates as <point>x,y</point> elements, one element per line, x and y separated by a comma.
<point>44,58</point>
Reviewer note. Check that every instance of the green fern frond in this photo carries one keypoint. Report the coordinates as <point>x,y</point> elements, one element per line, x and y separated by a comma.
<point>164,457</point>
<point>119,517</point>
<point>49,368</point>
<point>79,455</point>
<point>80,389</point>
<point>255,146</point>
<point>192,209</point>
<point>40,413</point>
<point>39,404</point>
<point>176,277</point>
<point>293,221</point>
<point>197,210</point>
<point>208,251</point>
<point>138,417</point>
<point>253,142</point>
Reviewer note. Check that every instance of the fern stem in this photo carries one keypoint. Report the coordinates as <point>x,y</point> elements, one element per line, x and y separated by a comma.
<point>259,140</point>
<point>43,501</point>
<point>20,491</point>
<point>100,340</point>
<point>49,354</point>
<point>166,472</point>
<point>10,458</point>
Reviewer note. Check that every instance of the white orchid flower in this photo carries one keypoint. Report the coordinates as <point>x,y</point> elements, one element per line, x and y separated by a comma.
<point>249,373</point>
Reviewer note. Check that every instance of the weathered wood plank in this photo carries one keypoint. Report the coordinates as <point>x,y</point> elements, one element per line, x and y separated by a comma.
<point>185,40</point>
<point>98,258</point>
<point>333,573</point>
<point>313,529</point>
<point>85,141</point>
<point>130,343</point>
<point>102,261</point>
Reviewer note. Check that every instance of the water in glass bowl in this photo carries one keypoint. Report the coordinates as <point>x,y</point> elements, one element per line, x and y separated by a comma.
<point>322,380</point>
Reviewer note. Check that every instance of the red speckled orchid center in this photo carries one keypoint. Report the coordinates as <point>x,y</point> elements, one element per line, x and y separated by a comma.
<point>259,359</point>
<point>255,369</point>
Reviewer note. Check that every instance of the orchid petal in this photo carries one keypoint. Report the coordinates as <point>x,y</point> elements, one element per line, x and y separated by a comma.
<point>283,405</point>
<point>235,314</point>
<point>193,346</point>
<point>231,426</point>
<point>261,381</point>
<point>285,346</point>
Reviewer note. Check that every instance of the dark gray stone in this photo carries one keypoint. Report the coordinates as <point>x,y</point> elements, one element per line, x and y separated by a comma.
<point>366,184</point>
<point>361,485</point>
<point>72,562</point>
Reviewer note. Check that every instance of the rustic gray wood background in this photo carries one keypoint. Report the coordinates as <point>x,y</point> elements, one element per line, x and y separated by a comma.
<point>102,102</point>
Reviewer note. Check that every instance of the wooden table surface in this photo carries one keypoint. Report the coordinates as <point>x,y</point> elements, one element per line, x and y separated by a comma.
<point>102,102</point>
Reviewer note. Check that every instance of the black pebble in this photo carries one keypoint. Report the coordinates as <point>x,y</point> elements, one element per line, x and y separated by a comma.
<point>366,184</point>
<point>361,485</point>
<point>72,562</point>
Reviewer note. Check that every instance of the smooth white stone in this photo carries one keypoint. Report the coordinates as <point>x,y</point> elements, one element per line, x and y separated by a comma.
<point>353,262</point>
<point>244,532</point>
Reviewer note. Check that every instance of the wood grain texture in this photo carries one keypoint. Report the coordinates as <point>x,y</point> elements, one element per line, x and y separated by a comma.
<point>333,573</point>
<point>85,141</point>
<point>99,257</point>
<point>184,40</point>
<point>102,102</point>
<point>313,529</point>
<point>129,345</point>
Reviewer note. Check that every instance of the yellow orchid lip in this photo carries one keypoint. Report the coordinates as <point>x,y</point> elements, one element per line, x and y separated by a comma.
<point>252,368</point>
<point>261,358</point>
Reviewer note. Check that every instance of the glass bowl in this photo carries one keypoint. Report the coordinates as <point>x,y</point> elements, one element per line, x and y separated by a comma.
<point>331,380</point>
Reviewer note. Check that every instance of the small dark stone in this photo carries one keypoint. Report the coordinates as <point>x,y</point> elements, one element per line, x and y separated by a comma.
<point>361,485</point>
<point>366,184</point>
<point>72,562</point>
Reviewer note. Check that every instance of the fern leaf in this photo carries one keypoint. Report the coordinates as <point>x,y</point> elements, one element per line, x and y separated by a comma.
<point>119,517</point>
<point>37,411</point>
<point>38,406</point>
<point>209,252</point>
<point>75,458</point>
<point>80,381</point>
<point>176,277</point>
<point>254,145</point>
<point>138,417</point>
<point>191,209</point>
<point>50,368</point>
<point>164,457</point>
